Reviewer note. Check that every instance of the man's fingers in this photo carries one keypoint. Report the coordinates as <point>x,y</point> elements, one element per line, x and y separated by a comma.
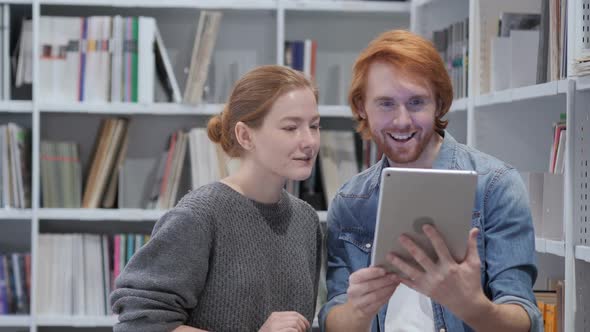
<point>372,285</point>
<point>367,274</point>
<point>417,253</point>
<point>472,252</point>
<point>379,297</point>
<point>439,245</point>
<point>376,300</point>
<point>410,271</point>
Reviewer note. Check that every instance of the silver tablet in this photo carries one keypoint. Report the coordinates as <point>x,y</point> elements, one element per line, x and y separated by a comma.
<point>411,198</point>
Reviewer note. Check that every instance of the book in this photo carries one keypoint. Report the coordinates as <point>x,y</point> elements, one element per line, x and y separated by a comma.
<point>203,46</point>
<point>517,21</point>
<point>164,70</point>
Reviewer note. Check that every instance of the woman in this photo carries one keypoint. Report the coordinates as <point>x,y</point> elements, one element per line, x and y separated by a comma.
<point>240,254</point>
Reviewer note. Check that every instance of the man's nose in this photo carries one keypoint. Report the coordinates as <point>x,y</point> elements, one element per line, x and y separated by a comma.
<point>402,117</point>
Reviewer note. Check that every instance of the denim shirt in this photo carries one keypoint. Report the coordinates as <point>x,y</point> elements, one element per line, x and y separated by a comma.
<point>505,242</point>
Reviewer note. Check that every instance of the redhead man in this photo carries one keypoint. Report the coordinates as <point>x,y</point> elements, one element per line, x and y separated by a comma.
<point>400,92</point>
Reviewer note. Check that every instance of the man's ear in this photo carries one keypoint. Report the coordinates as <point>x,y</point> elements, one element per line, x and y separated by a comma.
<point>361,111</point>
<point>244,136</point>
<point>438,108</point>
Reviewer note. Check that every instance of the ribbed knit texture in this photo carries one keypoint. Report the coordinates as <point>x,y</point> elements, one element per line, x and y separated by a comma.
<point>222,262</point>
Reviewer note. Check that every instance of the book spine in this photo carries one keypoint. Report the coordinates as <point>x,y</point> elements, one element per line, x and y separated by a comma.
<point>134,61</point>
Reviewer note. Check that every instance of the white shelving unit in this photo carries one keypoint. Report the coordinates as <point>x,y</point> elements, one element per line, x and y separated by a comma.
<point>513,125</point>
<point>82,321</point>
<point>459,105</point>
<point>556,248</point>
<point>15,321</point>
<point>25,107</point>
<point>207,4</point>
<point>16,214</point>
<point>252,33</point>
<point>100,214</point>
<point>132,108</point>
<point>583,253</point>
<point>525,93</point>
<point>544,246</point>
<point>346,6</point>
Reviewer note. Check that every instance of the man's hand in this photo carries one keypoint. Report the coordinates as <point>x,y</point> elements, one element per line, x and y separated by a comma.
<point>290,321</point>
<point>369,289</point>
<point>455,285</point>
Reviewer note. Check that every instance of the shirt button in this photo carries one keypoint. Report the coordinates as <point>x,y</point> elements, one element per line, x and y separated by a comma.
<point>368,245</point>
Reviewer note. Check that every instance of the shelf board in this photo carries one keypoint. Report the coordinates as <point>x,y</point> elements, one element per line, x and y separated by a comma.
<point>583,253</point>
<point>16,106</point>
<point>555,247</point>
<point>347,6</point>
<point>18,2</point>
<point>335,111</point>
<point>583,83</point>
<point>424,2</point>
<point>100,214</point>
<point>331,111</point>
<point>132,108</point>
<point>540,245</point>
<point>82,321</point>
<point>16,214</point>
<point>204,4</point>
<point>112,214</point>
<point>15,320</point>
<point>459,105</point>
<point>524,93</point>
<point>545,246</point>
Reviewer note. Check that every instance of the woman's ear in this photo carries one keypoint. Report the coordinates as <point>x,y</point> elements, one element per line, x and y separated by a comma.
<point>244,136</point>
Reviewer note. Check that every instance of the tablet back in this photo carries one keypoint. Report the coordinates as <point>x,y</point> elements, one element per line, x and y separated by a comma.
<point>412,197</point>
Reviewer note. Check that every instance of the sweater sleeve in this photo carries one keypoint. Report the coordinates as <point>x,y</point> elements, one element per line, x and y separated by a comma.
<point>161,283</point>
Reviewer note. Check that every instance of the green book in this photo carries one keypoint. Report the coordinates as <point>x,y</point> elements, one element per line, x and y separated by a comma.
<point>134,61</point>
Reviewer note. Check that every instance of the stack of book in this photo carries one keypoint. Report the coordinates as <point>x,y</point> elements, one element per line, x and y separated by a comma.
<point>452,44</point>
<point>15,182</point>
<point>15,283</point>
<point>78,271</point>
<point>557,161</point>
<point>61,175</point>
<point>111,59</point>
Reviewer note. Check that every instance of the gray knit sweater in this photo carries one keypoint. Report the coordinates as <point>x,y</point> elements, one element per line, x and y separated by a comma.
<point>222,262</point>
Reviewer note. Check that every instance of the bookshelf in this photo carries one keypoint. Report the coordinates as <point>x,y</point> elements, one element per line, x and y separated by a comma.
<point>506,124</point>
<point>253,33</point>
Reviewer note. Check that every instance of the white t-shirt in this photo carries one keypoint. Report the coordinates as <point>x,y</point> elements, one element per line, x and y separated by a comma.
<point>409,310</point>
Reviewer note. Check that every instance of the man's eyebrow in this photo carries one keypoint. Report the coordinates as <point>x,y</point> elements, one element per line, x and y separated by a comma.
<point>386,98</point>
<point>383,98</point>
<point>420,95</point>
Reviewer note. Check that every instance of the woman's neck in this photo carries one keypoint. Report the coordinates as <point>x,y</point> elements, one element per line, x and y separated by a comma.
<point>255,183</point>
